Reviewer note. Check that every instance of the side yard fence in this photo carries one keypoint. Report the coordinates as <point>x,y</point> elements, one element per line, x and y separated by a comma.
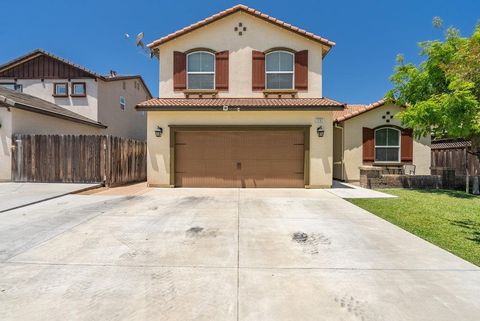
<point>78,159</point>
<point>452,154</point>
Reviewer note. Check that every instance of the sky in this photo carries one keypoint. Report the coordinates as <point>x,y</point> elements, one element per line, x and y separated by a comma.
<point>369,33</point>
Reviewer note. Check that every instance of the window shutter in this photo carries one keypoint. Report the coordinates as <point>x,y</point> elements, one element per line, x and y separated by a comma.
<point>179,70</point>
<point>368,145</point>
<point>406,146</point>
<point>221,70</point>
<point>258,70</point>
<point>301,70</point>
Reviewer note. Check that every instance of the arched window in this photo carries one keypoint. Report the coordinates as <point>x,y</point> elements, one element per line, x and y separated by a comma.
<point>387,145</point>
<point>279,70</point>
<point>201,70</point>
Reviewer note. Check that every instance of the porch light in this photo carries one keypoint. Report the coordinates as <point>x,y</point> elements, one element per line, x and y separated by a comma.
<point>158,131</point>
<point>320,131</point>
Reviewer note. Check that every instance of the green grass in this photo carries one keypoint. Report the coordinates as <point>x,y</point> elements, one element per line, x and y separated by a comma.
<point>449,219</point>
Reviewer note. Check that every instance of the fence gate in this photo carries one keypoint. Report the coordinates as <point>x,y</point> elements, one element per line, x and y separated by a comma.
<point>78,159</point>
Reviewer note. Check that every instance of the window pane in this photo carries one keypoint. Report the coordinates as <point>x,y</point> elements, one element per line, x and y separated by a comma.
<point>201,61</point>
<point>393,137</point>
<point>60,89</point>
<point>386,154</point>
<point>273,61</point>
<point>8,86</point>
<point>279,81</point>
<point>279,61</point>
<point>78,89</point>
<point>200,81</point>
<point>381,137</point>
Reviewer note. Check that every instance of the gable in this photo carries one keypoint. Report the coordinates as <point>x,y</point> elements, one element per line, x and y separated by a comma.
<point>252,13</point>
<point>39,65</point>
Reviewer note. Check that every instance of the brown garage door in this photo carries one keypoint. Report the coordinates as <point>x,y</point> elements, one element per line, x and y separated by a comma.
<point>256,158</point>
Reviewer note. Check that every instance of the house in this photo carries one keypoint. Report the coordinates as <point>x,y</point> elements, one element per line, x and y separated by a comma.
<point>21,113</point>
<point>241,105</point>
<point>108,99</point>
<point>366,135</point>
<point>43,94</point>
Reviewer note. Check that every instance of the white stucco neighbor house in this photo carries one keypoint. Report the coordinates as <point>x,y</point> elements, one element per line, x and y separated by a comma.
<point>43,94</point>
<point>241,105</point>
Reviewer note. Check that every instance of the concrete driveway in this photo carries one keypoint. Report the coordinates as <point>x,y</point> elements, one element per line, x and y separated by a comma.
<point>15,195</point>
<point>223,254</point>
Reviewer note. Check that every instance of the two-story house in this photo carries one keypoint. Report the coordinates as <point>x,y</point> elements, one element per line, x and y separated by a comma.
<point>108,99</point>
<point>43,94</point>
<point>241,105</point>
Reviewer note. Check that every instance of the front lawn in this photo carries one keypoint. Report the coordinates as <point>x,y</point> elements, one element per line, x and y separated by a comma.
<point>449,219</point>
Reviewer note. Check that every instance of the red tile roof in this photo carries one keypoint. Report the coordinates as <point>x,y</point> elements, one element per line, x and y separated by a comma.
<point>242,103</point>
<point>248,10</point>
<point>351,111</point>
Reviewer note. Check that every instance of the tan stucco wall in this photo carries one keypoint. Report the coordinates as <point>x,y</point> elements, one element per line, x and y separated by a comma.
<point>353,140</point>
<point>5,144</point>
<point>260,35</point>
<point>159,147</point>
<point>85,106</point>
<point>124,123</point>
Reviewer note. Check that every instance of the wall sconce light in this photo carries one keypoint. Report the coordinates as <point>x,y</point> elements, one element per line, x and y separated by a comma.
<point>158,131</point>
<point>320,131</point>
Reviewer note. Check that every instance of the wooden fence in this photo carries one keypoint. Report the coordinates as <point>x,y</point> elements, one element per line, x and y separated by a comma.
<point>78,159</point>
<point>454,155</point>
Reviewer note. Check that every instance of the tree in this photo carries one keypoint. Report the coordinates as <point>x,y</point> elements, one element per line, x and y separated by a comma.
<point>442,94</point>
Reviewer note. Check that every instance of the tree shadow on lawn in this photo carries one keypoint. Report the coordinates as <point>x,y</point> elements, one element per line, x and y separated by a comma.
<point>449,193</point>
<point>470,227</point>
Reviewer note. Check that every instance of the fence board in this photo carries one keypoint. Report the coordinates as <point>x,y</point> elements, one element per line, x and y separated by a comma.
<point>78,159</point>
<point>455,158</point>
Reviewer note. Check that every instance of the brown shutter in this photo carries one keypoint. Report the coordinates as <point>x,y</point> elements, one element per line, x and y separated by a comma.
<point>258,70</point>
<point>368,145</point>
<point>221,70</point>
<point>179,70</point>
<point>406,145</point>
<point>301,70</point>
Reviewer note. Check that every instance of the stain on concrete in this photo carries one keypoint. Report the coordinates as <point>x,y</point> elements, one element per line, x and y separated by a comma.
<point>192,201</point>
<point>198,232</point>
<point>359,309</point>
<point>312,242</point>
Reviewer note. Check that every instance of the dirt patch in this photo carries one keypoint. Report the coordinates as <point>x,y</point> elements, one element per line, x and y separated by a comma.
<point>312,242</point>
<point>357,308</point>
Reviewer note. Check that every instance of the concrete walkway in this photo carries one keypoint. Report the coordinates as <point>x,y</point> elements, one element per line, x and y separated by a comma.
<point>14,195</point>
<point>227,255</point>
<point>345,190</point>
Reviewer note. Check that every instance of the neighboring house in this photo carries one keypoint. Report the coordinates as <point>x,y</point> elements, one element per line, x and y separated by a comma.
<point>21,113</point>
<point>367,135</point>
<point>241,105</point>
<point>109,100</point>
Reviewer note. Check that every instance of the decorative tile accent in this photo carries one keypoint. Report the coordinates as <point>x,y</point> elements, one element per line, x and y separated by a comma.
<point>240,29</point>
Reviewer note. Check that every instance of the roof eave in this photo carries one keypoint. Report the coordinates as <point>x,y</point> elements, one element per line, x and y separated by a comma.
<point>239,108</point>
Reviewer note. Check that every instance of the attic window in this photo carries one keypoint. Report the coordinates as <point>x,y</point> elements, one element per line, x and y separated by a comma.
<point>60,89</point>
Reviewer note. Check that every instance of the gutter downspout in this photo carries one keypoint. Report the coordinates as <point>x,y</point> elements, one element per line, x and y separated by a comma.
<point>342,158</point>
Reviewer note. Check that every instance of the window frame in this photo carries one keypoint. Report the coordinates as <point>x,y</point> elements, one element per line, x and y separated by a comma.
<point>84,89</point>
<point>399,146</point>
<point>201,72</point>
<point>280,72</point>
<point>55,84</point>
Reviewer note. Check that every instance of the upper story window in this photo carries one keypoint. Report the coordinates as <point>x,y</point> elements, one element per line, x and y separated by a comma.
<point>387,145</point>
<point>12,86</point>
<point>201,70</point>
<point>123,103</point>
<point>60,89</point>
<point>79,89</point>
<point>279,70</point>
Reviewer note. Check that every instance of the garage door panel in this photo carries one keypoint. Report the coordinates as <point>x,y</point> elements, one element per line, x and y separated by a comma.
<point>269,158</point>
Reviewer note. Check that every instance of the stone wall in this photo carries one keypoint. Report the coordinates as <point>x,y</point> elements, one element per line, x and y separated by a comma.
<point>374,177</point>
